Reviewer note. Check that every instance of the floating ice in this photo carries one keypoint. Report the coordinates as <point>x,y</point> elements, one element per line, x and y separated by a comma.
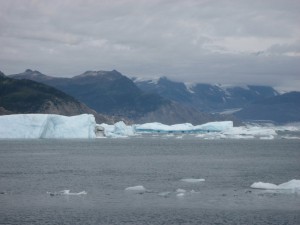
<point>179,190</point>
<point>164,194</point>
<point>47,126</point>
<point>192,180</point>
<point>84,126</point>
<point>270,137</point>
<point>136,189</point>
<point>243,132</point>
<point>66,192</point>
<point>180,195</point>
<point>183,128</point>
<point>119,129</point>
<point>290,185</point>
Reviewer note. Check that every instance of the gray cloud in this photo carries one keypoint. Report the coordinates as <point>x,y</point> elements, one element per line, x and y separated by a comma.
<point>236,41</point>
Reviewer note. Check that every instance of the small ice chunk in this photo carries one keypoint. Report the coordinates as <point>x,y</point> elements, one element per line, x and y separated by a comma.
<point>137,189</point>
<point>180,195</point>
<point>179,190</point>
<point>192,180</point>
<point>66,192</point>
<point>164,194</point>
<point>270,137</point>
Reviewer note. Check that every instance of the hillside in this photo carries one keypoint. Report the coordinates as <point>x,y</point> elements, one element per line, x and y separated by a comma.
<point>26,96</point>
<point>206,97</point>
<point>106,92</point>
<point>281,109</point>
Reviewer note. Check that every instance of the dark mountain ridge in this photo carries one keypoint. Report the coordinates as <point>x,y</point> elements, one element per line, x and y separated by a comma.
<point>106,92</point>
<point>112,93</point>
<point>206,97</point>
<point>27,96</point>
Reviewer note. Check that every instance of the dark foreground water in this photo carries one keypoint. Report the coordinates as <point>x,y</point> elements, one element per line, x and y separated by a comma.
<point>105,167</point>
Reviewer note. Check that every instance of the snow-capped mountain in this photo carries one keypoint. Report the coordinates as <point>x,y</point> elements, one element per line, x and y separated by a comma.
<point>207,97</point>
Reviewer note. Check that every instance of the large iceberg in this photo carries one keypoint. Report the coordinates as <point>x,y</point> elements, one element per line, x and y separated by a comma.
<point>47,126</point>
<point>211,130</point>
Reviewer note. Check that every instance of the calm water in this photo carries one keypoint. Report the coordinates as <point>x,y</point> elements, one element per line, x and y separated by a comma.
<point>105,167</point>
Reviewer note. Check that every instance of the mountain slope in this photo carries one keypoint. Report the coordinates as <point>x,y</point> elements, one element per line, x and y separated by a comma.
<point>282,109</point>
<point>112,93</point>
<point>176,113</point>
<point>206,97</point>
<point>26,96</point>
<point>106,92</point>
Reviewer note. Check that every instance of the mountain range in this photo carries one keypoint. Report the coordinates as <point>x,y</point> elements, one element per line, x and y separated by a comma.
<point>167,101</point>
<point>111,93</point>
<point>207,97</point>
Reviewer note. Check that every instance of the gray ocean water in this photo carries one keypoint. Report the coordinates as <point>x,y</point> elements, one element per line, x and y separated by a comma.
<point>30,169</point>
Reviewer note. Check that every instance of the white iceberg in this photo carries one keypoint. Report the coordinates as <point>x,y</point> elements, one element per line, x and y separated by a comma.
<point>119,129</point>
<point>192,180</point>
<point>293,185</point>
<point>47,126</point>
<point>242,132</point>
<point>183,128</point>
<point>139,189</point>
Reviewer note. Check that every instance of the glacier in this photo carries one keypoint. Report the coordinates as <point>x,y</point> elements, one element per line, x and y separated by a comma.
<point>35,126</point>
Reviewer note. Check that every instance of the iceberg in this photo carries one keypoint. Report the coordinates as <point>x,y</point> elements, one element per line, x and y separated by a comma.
<point>243,132</point>
<point>119,129</point>
<point>293,185</point>
<point>136,189</point>
<point>183,128</point>
<point>47,126</point>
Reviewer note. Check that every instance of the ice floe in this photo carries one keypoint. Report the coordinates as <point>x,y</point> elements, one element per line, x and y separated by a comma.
<point>165,194</point>
<point>292,185</point>
<point>139,189</point>
<point>192,180</point>
<point>119,129</point>
<point>66,192</point>
<point>179,190</point>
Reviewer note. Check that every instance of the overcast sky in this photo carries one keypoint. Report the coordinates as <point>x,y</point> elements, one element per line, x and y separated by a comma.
<point>208,41</point>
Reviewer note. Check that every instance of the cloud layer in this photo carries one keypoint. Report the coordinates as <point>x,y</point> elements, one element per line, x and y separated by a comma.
<point>230,41</point>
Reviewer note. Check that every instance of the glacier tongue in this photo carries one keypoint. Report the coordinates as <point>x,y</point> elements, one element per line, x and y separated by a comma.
<point>47,126</point>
